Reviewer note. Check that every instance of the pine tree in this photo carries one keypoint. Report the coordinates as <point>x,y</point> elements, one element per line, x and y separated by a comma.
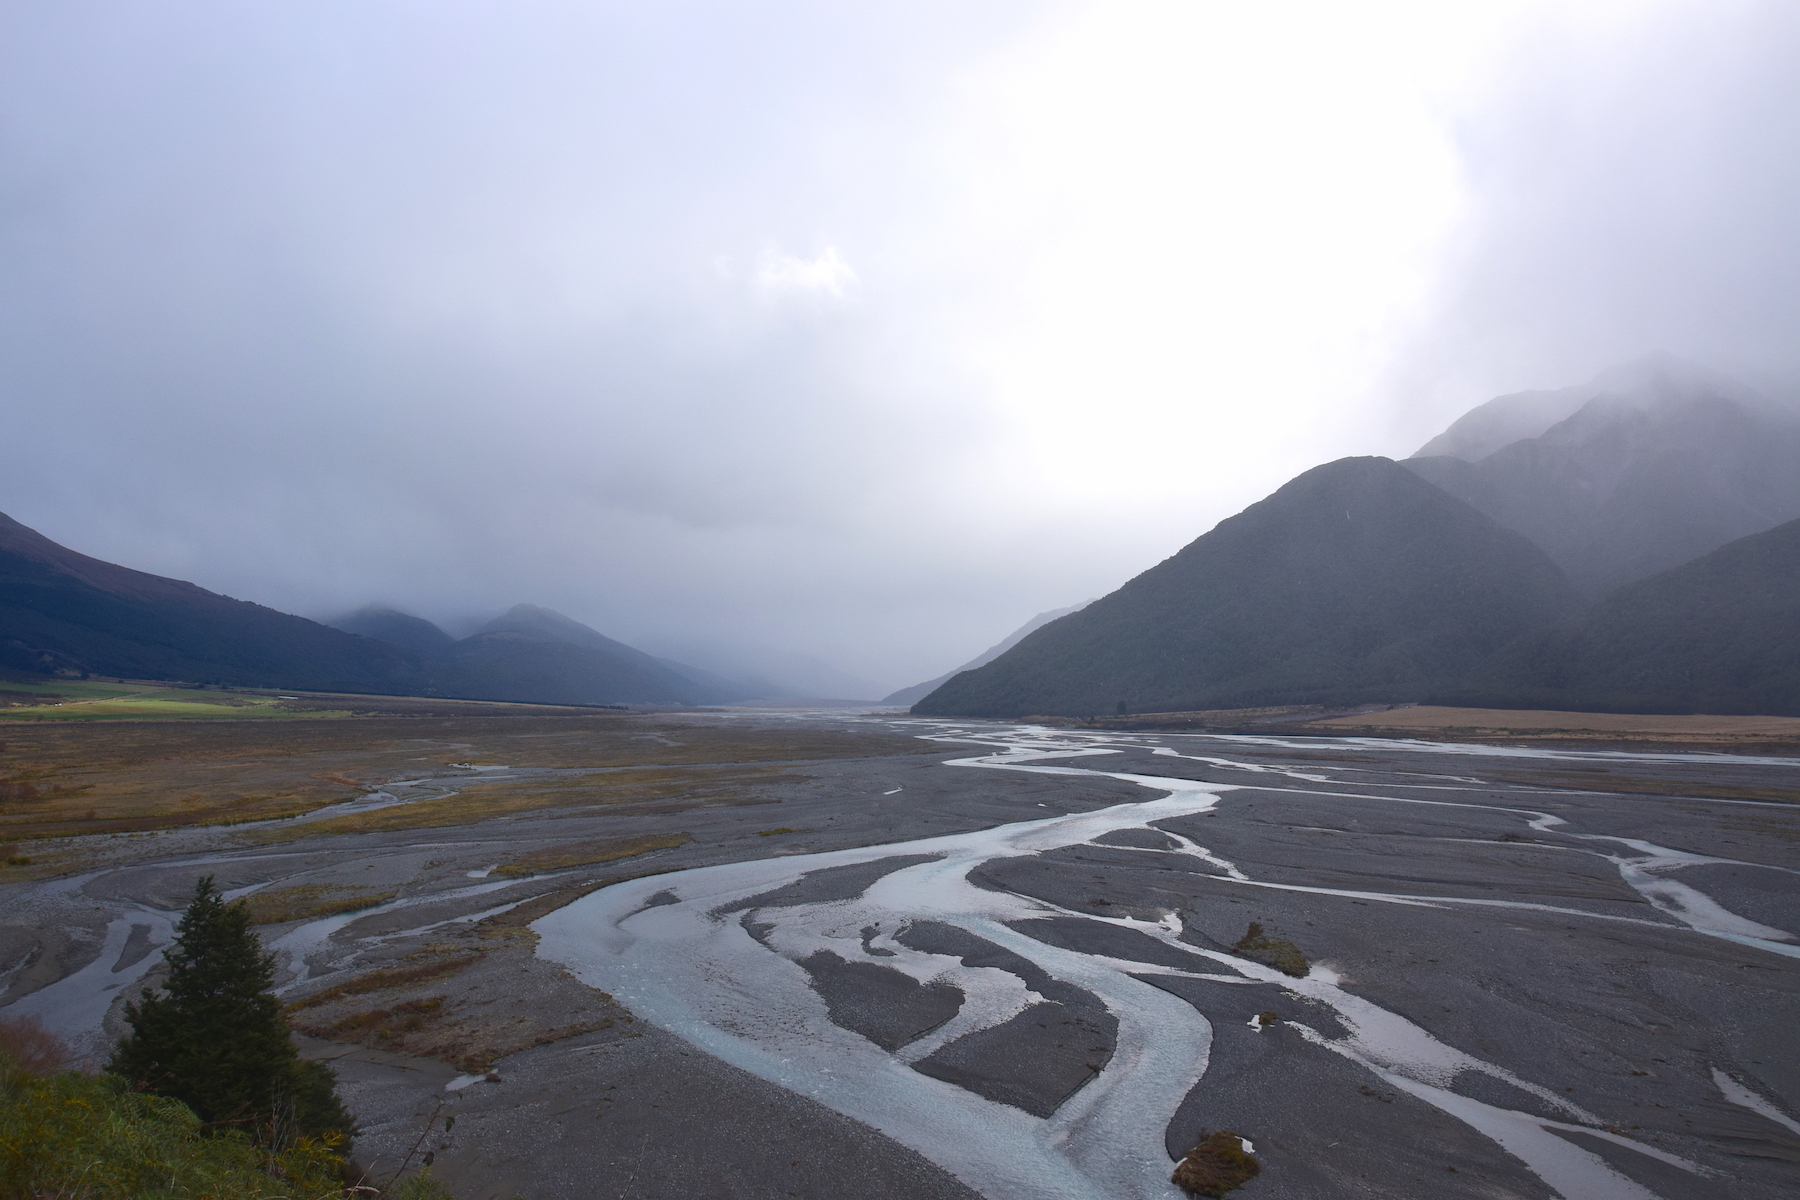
<point>216,1040</point>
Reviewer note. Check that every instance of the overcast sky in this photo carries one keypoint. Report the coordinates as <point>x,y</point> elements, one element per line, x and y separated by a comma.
<point>860,331</point>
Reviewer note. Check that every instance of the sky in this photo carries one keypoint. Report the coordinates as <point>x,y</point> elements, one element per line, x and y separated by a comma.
<point>845,332</point>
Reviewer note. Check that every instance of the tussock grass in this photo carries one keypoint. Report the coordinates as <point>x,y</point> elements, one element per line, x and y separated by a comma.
<point>310,900</point>
<point>1279,953</point>
<point>383,979</point>
<point>1624,785</point>
<point>513,921</point>
<point>673,788</point>
<point>582,854</point>
<point>131,776</point>
<point>1216,1166</point>
<point>409,1016</point>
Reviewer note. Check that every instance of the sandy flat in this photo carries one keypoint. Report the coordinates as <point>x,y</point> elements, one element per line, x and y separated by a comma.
<point>1433,717</point>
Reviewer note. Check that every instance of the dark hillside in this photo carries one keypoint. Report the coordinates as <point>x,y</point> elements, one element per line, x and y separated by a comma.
<point>1356,581</point>
<point>1720,634</point>
<point>558,660</point>
<point>60,610</point>
<point>398,628</point>
<point>512,666</point>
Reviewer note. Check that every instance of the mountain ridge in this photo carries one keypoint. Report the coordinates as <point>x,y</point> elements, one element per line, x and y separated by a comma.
<point>1355,581</point>
<point>918,691</point>
<point>63,610</point>
<point>1665,462</point>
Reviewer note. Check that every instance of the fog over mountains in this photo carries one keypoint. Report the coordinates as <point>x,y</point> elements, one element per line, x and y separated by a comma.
<point>61,611</point>
<point>1653,464</point>
<point>1470,571</point>
<point>64,612</point>
<point>918,691</point>
<point>1630,543</point>
<point>1356,581</point>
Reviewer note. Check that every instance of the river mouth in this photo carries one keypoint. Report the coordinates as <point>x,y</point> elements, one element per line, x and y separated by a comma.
<point>931,988</point>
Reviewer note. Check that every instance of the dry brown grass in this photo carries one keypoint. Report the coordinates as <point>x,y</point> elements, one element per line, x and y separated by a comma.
<point>408,1016</point>
<point>1279,953</point>
<point>1216,1166</point>
<point>488,1013</point>
<point>34,1051</point>
<point>661,790</point>
<point>513,921</point>
<point>431,964</point>
<point>1766,827</point>
<point>1210,718</point>
<point>1495,722</point>
<point>117,776</point>
<point>1597,781</point>
<point>310,900</point>
<point>581,854</point>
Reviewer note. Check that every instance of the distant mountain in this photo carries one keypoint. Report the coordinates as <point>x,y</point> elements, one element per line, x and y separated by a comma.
<point>918,691</point>
<point>720,689</point>
<point>539,655</point>
<point>1663,462</point>
<point>1505,420</point>
<point>535,650</point>
<point>766,672</point>
<point>1720,634</point>
<point>401,629</point>
<point>60,610</point>
<point>1357,581</point>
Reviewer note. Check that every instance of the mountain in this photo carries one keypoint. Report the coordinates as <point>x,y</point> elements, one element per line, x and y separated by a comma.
<point>60,610</point>
<point>720,689</point>
<point>1664,462</point>
<point>1505,420</point>
<point>540,653</point>
<point>1720,634</point>
<point>766,672</point>
<point>918,691</point>
<point>398,628</point>
<point>1356,581</point>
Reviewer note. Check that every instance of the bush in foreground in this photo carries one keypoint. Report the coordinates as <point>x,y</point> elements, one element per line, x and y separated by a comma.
<point>88,1137</point>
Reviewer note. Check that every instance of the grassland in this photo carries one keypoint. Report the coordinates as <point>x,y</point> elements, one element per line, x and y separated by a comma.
<point>1490,723</point>
<point>311,900</point>
<point>75,777</point>
<point>662,789</point>
<point>94,700</point>
<point>585,854</point>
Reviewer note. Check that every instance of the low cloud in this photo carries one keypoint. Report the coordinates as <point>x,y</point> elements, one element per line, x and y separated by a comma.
<point>779,274</point>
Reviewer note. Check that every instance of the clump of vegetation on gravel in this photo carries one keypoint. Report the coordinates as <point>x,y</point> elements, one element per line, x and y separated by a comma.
<point>409,1016</point>
<point>1279,953</point>
<point>431,963</point>
<point>310,900</point>
<point>1219,1164</point>
<point>555,858</point>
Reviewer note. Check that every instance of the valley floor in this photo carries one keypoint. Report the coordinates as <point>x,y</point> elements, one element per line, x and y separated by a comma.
<point>1717,731</point>
<point>821,955</point>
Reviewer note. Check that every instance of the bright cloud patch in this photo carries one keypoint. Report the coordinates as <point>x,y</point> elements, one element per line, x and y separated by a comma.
<point>782,274</point>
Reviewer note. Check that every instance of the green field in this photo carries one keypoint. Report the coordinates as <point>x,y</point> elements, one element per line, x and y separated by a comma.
<point>94,700</point>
